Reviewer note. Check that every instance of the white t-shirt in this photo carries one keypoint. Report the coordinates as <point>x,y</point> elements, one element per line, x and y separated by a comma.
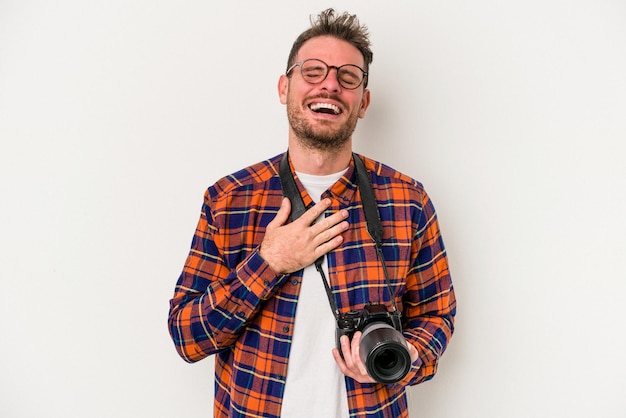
<point>315,386</point>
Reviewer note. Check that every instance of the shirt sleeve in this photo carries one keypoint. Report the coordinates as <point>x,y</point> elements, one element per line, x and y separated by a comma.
<point>429,303</point>
<point>213,301</point>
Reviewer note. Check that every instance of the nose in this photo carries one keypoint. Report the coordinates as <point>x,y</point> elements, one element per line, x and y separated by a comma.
<point>331,82</point>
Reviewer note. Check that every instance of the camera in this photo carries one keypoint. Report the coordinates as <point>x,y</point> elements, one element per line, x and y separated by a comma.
<point>383,347</point>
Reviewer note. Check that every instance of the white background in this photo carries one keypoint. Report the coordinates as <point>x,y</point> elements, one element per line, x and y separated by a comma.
<point>116,115</point>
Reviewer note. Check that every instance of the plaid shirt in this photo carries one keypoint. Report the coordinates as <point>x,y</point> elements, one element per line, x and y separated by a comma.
<point>229,302</point>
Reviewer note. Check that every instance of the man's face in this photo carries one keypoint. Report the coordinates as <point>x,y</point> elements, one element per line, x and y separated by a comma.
<point>323,116</point>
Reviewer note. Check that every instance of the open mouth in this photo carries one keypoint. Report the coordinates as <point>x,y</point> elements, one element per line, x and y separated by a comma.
<point>326,108</point>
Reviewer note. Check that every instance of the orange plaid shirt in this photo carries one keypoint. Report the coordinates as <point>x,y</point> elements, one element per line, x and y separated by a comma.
<point>229,302</point>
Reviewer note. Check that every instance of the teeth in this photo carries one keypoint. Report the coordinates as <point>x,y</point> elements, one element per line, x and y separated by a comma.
<point>319,106</point>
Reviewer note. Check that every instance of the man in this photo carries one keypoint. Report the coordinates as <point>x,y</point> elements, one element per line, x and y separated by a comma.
<point>250,291</point>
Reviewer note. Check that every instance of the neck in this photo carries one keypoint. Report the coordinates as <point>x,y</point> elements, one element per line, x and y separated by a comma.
<point>319,162</point>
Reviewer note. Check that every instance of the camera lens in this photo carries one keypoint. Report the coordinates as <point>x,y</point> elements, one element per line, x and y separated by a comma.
<point>385,353</point>
<point>387,359</point>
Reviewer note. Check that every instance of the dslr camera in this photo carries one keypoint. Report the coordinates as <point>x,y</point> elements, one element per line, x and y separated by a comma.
<point>383,347</point>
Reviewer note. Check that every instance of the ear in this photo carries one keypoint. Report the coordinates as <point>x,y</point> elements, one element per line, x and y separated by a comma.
<point>365,102</point>
<point>283,88</point>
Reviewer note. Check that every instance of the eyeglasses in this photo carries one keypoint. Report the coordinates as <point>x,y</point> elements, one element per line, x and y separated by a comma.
<point>315,71</point>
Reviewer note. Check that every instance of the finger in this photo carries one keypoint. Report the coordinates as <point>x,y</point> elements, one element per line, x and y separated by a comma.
<point>412,352</point>
<point>338,359</point>
<point>345,369</point>
<point>346,350</point>
<point>356,353</point>
<point>313,213</point>
<point>342,361</point>
<point>329,222</point>
<point>327,246</point>
<point>282,215</point>
<point>329,234</point>
<point>342,364</point>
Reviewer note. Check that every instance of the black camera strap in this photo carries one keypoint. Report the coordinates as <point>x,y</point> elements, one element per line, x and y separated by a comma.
<point>370,208</point>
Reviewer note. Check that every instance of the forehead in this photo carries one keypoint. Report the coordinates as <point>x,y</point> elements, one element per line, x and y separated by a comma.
<point>331,50</point>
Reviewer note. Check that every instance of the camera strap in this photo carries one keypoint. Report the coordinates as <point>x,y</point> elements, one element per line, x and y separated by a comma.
<point>370,208</point>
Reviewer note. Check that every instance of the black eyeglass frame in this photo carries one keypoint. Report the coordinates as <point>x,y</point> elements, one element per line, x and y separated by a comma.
<point>328,68</point>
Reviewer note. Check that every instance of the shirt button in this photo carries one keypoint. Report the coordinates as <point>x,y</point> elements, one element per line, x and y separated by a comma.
<point>286,329</point>
<point>294,282</point>
<point>266,283</point>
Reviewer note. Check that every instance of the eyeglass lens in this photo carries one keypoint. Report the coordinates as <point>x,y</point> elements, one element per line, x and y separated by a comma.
<point>315,71</point>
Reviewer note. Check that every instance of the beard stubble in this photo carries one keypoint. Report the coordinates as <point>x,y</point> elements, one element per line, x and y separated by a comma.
<point>323,137</point>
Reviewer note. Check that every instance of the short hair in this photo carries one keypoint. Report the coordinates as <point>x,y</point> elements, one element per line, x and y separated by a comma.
<point>344,26</point>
